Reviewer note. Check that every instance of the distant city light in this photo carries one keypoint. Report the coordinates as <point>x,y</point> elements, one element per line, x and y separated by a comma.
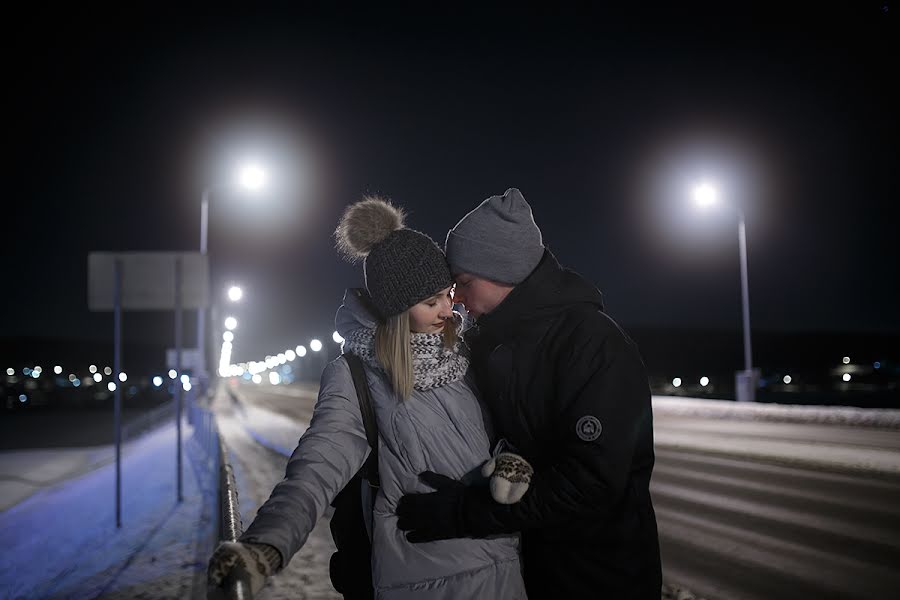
<point>315,345</point>
<point>228,336</point>
<point>173,374</point>
<point>157,381</point>
<point>107,371</point>
<point>98,377</point>
<point>186,386</point>
<point>185,378</point>
<point>235,293</point>
<point>72,377</point>
<point>877,365</point>
<point>846,360</point>
<point>26,371</point>
<point>281,358</point>
<point>274,378</point>
<point>704,381</point>
<point>35,374</point>
<point>677,382</point>
<point>12,372</point>
<point>301,351</point>
<point>337,338</point>
<point>123,377</point>
<point>257,378</point>
<point>846,377</point>
<point>290,354</point>
<point>57,369</point>
<point>786,379</point>
<point>23,398</point>
<point>92,368</point>
<point>38,369</point>
<point>76,383</point>
<point>231,323</point>
<point>111,386</point>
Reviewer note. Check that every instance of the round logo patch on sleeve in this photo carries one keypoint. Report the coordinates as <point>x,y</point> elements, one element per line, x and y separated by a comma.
<point>588,428</point>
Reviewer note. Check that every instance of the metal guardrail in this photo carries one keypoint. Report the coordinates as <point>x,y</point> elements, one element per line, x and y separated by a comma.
<point>237,586</point>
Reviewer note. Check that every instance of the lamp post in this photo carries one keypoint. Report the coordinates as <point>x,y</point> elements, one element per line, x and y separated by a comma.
<point>705,195</point>
<point>253,178</point>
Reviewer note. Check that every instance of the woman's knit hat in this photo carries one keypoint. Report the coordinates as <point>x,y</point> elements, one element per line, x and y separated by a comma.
<point>401,266</point>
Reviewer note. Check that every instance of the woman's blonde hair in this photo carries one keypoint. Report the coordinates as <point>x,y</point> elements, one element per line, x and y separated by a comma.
<point>392,350</point>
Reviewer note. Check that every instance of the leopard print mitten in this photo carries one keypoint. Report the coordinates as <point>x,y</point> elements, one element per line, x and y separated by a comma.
<point>258,561</point>
<point>510,476</point>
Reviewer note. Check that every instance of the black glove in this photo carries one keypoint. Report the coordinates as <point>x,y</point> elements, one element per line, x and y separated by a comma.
<point>436,515</point>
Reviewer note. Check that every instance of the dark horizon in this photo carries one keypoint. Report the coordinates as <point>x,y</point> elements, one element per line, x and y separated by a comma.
<point>603,119</point>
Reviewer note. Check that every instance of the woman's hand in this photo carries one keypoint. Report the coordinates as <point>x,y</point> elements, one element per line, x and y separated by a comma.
<point>238,560</point>
<point>510,477</point>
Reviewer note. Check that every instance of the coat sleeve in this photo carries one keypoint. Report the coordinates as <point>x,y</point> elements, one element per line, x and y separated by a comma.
<point>600,380</point>
<point>329,453</point>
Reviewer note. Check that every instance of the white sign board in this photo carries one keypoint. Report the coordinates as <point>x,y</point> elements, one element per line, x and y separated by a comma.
<point>190,359</point>
<point>148,280</point>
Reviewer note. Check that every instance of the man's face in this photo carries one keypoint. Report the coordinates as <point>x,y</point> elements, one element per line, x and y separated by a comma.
<point>480,296</point>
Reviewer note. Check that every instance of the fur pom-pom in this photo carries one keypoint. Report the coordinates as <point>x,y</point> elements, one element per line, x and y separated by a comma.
<point>364,224</point>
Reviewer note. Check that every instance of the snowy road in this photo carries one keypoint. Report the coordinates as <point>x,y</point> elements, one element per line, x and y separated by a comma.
<point>768,510</point>
<point>257,469</point>
<point>752,501</point>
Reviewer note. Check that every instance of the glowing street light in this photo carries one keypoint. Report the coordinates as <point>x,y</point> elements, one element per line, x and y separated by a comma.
<point>235,293</point>
<point>706,195</point>
<point>231,323</point>
<point>251,177</point>
<point>315,345</point>
<point>301,351</point>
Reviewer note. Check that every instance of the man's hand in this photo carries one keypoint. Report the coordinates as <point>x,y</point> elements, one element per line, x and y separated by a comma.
<point>436,515</point>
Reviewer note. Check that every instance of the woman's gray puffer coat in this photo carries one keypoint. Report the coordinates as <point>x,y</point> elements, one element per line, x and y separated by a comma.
<point>442,429</point>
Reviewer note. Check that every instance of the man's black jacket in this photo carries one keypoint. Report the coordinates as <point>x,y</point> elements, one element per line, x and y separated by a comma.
<point>568,389</point>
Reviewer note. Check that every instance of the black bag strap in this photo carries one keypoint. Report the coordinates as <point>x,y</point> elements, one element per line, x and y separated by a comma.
<point>357,371</point>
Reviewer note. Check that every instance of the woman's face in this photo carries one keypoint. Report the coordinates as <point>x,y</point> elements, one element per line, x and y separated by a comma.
<point>428,316</point>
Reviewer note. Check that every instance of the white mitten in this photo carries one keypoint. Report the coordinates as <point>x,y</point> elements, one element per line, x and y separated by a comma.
<point>258,561</point>
<point>510,476</point>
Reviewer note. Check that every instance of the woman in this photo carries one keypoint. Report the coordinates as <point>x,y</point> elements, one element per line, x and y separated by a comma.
<point>428,418</point>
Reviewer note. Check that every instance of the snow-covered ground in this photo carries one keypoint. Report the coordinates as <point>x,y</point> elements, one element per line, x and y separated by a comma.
<point>785,413</point>
<point>62,541</point>
<point>821,437</point>
<point>58,518</point>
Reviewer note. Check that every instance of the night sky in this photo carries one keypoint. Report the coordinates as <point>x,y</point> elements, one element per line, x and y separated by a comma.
<point>604,119</point>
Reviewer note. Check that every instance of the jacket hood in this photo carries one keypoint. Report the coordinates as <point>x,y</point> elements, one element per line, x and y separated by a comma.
<point>549,289</point>
<point>354,312</point>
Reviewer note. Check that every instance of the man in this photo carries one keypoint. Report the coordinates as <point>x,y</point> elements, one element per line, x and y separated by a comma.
<point>567,390</point>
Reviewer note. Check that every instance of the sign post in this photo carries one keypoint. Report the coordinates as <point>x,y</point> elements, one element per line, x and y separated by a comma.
<point>146,281</point>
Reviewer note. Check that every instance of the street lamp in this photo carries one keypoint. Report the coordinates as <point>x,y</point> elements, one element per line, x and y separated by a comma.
<point>253,178</point>
<point>705,195</point>
<point>235,293</point>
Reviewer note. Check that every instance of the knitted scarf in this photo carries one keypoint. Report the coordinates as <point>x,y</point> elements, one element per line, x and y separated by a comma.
<point>433,365</point>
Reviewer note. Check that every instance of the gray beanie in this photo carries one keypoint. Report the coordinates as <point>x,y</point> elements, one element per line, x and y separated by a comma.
<point>401,266</point>
<point>499,240</point>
